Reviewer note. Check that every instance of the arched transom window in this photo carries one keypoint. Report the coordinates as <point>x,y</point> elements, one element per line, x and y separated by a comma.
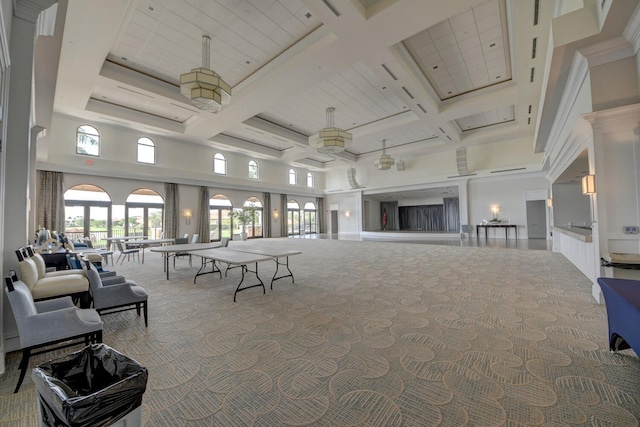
<point>88,140</point>
<point>253,169</point>
<point>146,151</point>
<point>220,164</point>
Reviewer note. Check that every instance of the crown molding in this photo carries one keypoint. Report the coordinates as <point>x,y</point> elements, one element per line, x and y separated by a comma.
<point>608,51</point>
<point>29,10</point>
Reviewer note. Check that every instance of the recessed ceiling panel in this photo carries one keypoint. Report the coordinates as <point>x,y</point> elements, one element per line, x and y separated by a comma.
<point>487,118</point>
<point>142,101</point>
<point>163,38</point>
<point>466,52</point>
<point>357,94</point>
<point>262,138</point>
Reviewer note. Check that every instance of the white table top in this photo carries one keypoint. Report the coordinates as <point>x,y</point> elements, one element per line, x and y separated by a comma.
<point>187,247</point>
<point>153,241</point>
<point>272,252</point>
<point>112,239</point>
<point>230,256</point>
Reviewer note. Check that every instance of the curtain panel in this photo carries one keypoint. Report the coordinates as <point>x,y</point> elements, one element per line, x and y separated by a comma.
<point>284,214</point>
<point>320,214</point>
<point>422,218</point>
<point>389,210</point>
<point>171,210</point>
<point>451,214</point>
<point>204,233</point>
<point>50,214</point>
<point>266,215</point>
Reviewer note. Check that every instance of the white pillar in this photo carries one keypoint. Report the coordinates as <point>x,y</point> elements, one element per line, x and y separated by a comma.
<point>18,160</point>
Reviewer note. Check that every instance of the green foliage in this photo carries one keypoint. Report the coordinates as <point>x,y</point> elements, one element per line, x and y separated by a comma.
<point>244,216</point>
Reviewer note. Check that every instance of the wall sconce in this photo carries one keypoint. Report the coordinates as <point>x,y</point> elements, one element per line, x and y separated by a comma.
<point>495,210</point>
<point>187,216</point>
<point>550,202</point>
<point>589,184</point>
<point>347,214</point>
<point>275,214</point>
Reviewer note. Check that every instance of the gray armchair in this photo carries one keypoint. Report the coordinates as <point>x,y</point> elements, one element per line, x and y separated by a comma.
<point>116,294</point>
<point>52,322</point>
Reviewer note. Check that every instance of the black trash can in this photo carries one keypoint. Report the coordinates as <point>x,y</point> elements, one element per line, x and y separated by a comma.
<point>96,386</point>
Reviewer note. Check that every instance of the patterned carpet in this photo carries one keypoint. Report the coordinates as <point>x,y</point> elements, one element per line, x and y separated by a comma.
<point>371,334</point>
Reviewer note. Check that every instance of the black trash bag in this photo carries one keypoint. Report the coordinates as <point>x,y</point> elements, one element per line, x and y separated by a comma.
<point>95,386</point>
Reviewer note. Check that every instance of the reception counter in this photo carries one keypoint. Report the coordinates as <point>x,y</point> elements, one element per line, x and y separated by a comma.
<point>582,234</point>
<point>576,244</point>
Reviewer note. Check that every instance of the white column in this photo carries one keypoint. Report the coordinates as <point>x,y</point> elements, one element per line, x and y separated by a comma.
<point>18,161</point>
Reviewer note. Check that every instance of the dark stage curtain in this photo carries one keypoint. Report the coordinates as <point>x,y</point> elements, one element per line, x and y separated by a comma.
<point>451,214</point>
<point>391,208</point>
<point>422,218</point>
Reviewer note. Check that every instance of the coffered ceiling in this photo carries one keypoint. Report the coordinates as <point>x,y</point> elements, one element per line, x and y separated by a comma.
<point>423,75</point>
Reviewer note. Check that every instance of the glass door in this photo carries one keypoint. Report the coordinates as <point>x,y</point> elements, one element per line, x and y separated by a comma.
<point>98,225</point>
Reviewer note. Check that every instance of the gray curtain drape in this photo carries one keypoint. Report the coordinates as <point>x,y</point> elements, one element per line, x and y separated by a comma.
<point>391,208</point>
<point>320,214</point>
<point>422,218</point>
<point>50,201</point>
<point>266,215</point>
<point>171,210</point>
<point>204,233</point>
<point>284,215</point>
<point>451,214</point>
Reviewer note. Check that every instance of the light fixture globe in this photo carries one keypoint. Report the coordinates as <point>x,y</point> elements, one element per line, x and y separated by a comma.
<point>330,140</point>
<point>205,87</point>
<point>385,161</point>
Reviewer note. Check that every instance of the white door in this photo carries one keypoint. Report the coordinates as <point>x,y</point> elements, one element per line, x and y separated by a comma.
<point>536,219</point>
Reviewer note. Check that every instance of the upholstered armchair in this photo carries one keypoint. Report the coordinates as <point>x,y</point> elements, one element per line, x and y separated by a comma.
<point>116,294</point>
<point>46,323</point>
<point>46,285</point>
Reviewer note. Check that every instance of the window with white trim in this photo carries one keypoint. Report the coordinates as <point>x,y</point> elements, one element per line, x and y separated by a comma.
<point>146,151</point>
<point>88,140</point>
<point>219,164</point>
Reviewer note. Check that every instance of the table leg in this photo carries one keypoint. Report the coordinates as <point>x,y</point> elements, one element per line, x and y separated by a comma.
<point>245,269</point>
<point>214,269</point>
<point>278,263</point>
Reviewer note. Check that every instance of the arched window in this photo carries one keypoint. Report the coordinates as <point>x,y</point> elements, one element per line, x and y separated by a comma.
<point>146,151</point>
<point>310,218</point>
<point>254,229</point>
<point>219,217</point>
<point>253,169</point>
<point>143,214</point>
<point>292,177</point>
<point>87,212</point>
<point>293,217</point>
<point>88,140</point>
<point>309,180</point>
<point>220,164</point>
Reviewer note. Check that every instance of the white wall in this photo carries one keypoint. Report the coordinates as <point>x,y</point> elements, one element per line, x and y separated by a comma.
<point>437,166</point>
<point>614,84</point>
<point>570,205</point>
<point>176,161</point>
<point>506,192</point>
